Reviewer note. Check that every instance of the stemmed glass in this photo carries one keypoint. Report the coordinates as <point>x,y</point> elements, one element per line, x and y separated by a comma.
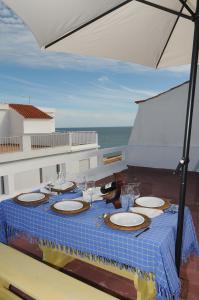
<point>127,196</point>
<point>81,183</point>
<point>131,193</point>
<point>50,183</point>
<point>136,190</point>
<point>63,177</point>
<point>136,187</point>
<point>91,190</point>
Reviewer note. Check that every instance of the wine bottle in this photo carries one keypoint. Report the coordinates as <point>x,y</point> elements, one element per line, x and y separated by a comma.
<point>111,193</point>
<point>109,187</point>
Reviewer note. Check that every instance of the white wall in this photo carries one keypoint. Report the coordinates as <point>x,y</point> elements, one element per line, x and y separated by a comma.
<point>4,123</point>
<point>26,179</point>
<point>49,173</point>
<point>157,137</point>
<point>23,175</point>
<point>39,126</point>
<point>16,127</point>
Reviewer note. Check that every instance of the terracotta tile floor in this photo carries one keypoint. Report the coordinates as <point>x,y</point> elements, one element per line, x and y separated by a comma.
<point>118,286</point>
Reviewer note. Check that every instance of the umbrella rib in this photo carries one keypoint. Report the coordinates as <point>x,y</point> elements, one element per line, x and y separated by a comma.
<point>167,42</point>
<point>187,7</point>
<point>112,10</point>
<point>89,22</point>
<point>167,9</point>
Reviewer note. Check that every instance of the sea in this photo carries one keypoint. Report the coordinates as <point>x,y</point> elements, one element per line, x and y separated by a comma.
<point>107,136</point>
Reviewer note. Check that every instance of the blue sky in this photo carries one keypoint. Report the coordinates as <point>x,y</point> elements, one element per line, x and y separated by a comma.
<point>84,91</point>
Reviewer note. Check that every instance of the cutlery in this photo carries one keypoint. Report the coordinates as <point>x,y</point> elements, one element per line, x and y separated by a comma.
<point>173,209</point>
<point>101,219</point>
<point>170,212</point>
<point>142,231</point>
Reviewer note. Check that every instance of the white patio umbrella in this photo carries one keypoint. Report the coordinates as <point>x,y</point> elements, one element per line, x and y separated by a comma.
<point>156,33</point>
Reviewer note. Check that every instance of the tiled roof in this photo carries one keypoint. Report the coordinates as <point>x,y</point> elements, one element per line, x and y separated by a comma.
<point>175,87</point>
<point>30,111</point>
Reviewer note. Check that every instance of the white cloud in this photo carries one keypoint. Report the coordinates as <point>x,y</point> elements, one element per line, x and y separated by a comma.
<point>184,69</point>
<point>104,93</point>
<point>76,118</point>
<point>104,97</point>
<point>103,79</point>
<point>22,81</point>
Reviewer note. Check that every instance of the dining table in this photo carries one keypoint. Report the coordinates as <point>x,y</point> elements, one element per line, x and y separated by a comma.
<point>148,259</point>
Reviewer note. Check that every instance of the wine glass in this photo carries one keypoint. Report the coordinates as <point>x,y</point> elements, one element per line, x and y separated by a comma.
<point>91,190</point>
<point>81,183</point>
<point>63,177</point>
<point>136,190</point>
<point>125,197</point>
<point>49,183</point>
<point>59,180</point>
<point>131,193</point>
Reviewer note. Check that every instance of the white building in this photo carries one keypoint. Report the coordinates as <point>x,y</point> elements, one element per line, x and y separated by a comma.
<point>31,152</point>
<point>20,119</point>
<point>157,137</point>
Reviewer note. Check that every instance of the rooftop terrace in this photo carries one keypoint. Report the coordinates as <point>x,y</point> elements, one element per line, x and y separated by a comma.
<point>156,182</point>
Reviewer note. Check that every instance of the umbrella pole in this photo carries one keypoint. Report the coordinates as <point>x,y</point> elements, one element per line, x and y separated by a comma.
<point>184,162</point>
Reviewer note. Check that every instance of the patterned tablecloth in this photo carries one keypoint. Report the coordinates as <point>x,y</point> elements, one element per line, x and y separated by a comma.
<point>153,252</point>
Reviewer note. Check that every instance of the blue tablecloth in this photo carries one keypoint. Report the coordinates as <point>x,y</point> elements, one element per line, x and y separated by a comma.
<point>153,252</point>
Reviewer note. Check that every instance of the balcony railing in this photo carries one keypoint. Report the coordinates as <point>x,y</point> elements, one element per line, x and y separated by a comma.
<point>49,140</point>
<point>39,141</point>
<point>70,138</point>
<point>10,144</point>
<point>83,137</point>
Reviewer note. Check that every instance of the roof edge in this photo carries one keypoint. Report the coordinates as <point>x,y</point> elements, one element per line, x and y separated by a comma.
<point>29,111</point>
<point>167,91</point>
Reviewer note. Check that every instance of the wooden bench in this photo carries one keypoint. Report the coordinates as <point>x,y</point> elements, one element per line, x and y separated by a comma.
<point>40,281</point>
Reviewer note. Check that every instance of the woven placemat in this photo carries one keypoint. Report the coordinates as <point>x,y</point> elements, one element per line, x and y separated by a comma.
<point>26,203</point>
<point>85,206</point>
<point>146,223</point>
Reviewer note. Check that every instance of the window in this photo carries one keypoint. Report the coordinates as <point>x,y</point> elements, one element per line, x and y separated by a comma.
<point>58,168</point>
<point>40,175</point>
<point>84,165</point>
<point>2,185</point>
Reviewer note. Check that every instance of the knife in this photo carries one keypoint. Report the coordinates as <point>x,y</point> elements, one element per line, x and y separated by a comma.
<point>142,231</point>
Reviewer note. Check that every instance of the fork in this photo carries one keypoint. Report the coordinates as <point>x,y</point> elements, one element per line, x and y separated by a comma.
<point>101,219</point>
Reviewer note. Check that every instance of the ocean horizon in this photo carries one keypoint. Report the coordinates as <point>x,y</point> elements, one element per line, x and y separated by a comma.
<point>107,136</point>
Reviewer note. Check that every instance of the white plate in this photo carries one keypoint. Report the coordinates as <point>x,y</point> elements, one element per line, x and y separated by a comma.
<point>63,186</point>
<point>150,201</point>
<point>31,197</point>
<point>127,219</point>
<point>68,205</point>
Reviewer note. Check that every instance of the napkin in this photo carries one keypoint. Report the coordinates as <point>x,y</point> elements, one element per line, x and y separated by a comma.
<point>149,212</point>
<point>47,191</point>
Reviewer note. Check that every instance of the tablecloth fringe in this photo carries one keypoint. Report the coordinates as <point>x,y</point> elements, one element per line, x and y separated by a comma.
<point>191,250</point>
<point>12,233</point>
<point>165,294</point>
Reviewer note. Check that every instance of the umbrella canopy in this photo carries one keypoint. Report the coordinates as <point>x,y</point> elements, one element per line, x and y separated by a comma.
<point>117,29</point>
